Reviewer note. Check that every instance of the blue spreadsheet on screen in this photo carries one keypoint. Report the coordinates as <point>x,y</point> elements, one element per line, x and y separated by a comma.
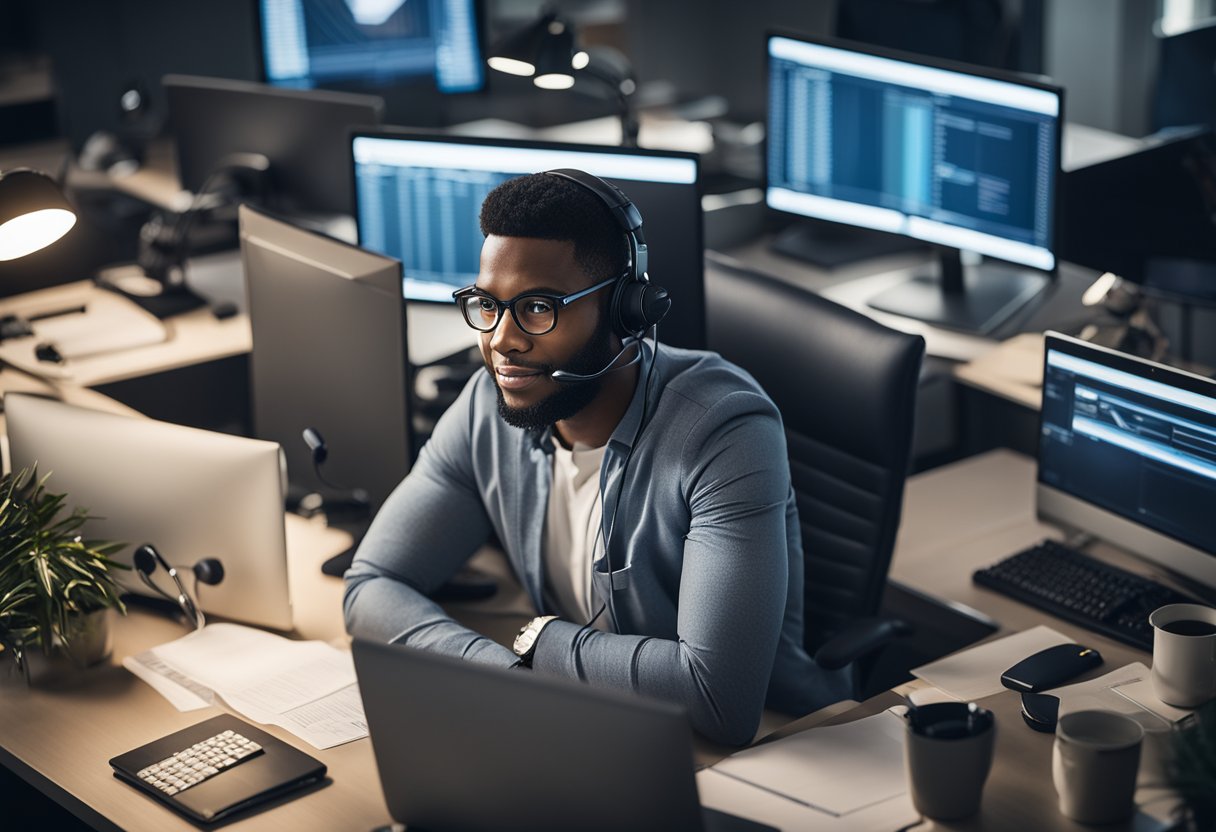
<point>308,43</point>
<point>939,155</point>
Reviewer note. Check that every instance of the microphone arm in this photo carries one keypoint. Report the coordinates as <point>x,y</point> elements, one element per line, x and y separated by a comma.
<point>630,341</point>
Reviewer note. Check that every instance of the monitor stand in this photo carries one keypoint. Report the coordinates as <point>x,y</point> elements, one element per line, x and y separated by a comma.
<point>976,300</point>
<point>830,245</point>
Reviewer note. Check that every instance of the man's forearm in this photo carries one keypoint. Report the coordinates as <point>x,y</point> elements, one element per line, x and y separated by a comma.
<point>380,608</point>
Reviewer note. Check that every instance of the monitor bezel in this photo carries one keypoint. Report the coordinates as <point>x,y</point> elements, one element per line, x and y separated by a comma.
<point>1059,507</point>
<point>415,134</point>
<point>479,18</point>
<point>1034,82</point>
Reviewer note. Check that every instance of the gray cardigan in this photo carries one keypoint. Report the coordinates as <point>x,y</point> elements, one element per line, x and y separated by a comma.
<point>706,554</point>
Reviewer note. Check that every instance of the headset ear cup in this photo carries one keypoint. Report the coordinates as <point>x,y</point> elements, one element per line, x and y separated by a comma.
<point>656,303</point>
<point>638,305</point>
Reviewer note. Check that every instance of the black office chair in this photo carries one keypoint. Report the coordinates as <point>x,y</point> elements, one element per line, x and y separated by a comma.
<point>846,387</point>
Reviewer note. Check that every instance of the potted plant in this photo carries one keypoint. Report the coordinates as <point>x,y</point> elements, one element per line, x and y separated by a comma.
<point>56,588</point>
<point>1192,771</point>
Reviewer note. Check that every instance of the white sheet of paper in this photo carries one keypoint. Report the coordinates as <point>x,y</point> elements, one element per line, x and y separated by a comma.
<point>726,794</point>
<point>307,687</point>
<point>976,672</point>
<point>181,693</point>
<point>1141,692</point>
<point>836,770</point>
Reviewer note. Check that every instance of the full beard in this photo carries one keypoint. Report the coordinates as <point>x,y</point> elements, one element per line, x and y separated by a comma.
<point>570,397</point>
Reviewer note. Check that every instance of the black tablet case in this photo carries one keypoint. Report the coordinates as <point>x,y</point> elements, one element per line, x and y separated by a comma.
<point>281,768</point>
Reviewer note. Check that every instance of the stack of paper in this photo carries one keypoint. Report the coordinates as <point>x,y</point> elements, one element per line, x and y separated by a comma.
<point>976,672</point>
<point>842,777</point>
<point>307,687</point>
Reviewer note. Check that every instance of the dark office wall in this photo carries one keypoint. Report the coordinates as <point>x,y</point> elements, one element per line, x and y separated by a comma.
<point>98,49</point>
<point>716,46</point>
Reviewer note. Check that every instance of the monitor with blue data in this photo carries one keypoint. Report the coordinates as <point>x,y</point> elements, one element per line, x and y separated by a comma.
<point>960,157</point>
<point>418,197</point>
<point>371,43</point>
<point>1127,452</point>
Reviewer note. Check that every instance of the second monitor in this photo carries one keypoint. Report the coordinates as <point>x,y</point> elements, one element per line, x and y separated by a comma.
<point>958,156</point>
<point>417,198</point>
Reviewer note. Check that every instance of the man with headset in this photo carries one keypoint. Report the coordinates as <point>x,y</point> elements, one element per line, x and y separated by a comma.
<point>641,493</point>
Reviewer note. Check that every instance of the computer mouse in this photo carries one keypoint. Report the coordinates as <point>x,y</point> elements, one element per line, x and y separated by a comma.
<point>1040,711</point>
<point>46,351</point>
<point>1050,668</point>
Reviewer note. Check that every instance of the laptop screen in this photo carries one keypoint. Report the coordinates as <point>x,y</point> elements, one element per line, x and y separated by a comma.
<point>1132,437</point>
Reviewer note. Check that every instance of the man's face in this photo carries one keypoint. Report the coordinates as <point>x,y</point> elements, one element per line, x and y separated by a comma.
<point>520,363</point>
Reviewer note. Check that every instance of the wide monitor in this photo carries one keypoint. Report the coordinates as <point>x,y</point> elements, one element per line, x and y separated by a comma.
<point>303,133</point>
<point>960,157</point>
<point>1149,216</point>
<point>1185,92</point>
<point>329,353</point>
<point>193,494</point>
<point>371,43</point>
<point>417,198</point>
<point>1127,452</point>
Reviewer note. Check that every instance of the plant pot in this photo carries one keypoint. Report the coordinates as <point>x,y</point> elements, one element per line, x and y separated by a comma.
<point>90,642</point>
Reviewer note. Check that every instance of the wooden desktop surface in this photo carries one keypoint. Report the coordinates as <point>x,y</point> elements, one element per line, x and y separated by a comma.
<point>956,518</point>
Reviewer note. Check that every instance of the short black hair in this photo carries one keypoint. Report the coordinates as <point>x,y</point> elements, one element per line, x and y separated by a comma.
<point>552,208</point>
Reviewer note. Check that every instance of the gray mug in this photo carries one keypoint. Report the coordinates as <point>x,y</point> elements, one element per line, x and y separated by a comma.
<point>948,752</point>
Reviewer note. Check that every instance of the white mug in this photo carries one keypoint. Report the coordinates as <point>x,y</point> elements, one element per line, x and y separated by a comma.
<point>1184,663</point>
<point>1094,764</point>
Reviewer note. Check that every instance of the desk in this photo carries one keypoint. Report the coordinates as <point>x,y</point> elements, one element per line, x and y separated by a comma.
<point>955,519</point>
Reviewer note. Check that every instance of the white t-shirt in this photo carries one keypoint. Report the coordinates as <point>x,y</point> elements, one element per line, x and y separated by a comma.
<point>572,540</point>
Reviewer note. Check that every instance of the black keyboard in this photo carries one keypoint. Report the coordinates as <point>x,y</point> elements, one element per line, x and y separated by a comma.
<point>1062,581</point>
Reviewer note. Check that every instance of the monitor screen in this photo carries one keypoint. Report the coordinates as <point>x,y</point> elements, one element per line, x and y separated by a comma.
<point>310,43</point>
<point>417,198</point>
<point>908,146</point>
<point>302,133</point>
<point>1129,449</point>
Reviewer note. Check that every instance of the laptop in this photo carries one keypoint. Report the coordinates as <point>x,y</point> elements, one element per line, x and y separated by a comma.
<point>461,746</point>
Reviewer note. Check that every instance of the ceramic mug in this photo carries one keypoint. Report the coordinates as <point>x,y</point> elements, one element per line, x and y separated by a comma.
<point>1094,764</point>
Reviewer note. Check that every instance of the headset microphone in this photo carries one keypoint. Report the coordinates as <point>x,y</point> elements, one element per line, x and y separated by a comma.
<point>631,341</point>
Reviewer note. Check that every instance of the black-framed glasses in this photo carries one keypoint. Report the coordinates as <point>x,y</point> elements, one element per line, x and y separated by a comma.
<point>534,312</point>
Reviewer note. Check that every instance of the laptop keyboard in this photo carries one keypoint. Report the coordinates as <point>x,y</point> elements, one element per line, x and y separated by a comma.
<point>199,762</point>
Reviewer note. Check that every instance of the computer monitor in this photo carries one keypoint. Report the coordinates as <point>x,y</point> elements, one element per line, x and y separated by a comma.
<point>304,134</point>
<point>329,353</point>
<point>961,157</point>
<point>1149,216</point>
<point>417,198</point>
<point>1185,92</point>
<point>1127,452</point>
<point>192,493</point>
<point>371,43</point>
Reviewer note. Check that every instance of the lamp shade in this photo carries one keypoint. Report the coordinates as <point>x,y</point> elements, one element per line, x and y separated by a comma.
<point>515,54</point>
<point>33,213</point>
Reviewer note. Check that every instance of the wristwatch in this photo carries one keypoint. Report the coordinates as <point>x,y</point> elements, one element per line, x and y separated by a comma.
<point>525,642</point>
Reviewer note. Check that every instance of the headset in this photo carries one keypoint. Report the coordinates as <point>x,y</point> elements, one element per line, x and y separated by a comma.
<point>209,571</point>
<point>637,304</point>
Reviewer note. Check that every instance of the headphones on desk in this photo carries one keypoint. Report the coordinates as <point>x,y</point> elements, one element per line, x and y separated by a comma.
<point>637,304</point>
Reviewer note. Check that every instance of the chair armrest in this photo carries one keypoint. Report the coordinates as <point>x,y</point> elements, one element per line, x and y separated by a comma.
<point>859,639</point>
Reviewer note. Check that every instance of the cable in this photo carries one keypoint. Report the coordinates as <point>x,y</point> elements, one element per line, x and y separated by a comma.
<point>637,433</point>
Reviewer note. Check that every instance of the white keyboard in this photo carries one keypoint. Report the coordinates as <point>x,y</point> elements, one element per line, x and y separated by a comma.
<point>203,760</point>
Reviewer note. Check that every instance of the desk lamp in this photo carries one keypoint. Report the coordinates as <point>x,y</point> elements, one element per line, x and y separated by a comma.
<point>546,52</point>
<point>33,213</point>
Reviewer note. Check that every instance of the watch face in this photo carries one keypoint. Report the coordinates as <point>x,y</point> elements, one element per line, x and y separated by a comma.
<point>523,641</point>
